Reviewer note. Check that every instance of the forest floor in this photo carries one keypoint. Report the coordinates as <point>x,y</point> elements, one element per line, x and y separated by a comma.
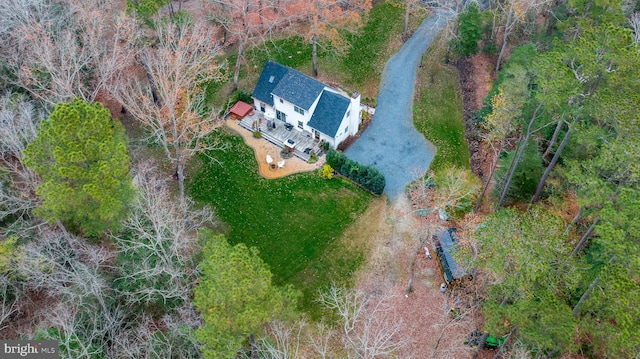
<point>425,311</point>
<point>476,80</point>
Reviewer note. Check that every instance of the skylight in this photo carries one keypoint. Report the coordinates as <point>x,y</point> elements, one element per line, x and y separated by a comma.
<point>271,78</point>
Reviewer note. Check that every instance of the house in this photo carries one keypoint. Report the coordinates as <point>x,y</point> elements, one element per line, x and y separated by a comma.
<point>296,100</point>
<point>444,243</point>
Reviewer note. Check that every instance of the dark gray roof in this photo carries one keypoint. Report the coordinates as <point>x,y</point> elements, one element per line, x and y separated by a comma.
<point>287,83</point>
<point>299,89</point>
<point>267,83</point>
<point>329,113</point>
<point>445,247</point>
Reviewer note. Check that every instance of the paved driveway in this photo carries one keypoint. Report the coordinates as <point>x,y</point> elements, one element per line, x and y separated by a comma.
<point>391,143</point>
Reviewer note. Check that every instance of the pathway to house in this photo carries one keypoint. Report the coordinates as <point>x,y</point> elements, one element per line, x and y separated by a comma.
<point>391,143</point>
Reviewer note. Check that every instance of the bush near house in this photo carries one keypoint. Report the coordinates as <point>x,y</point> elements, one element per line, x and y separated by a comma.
<point>367,176</point>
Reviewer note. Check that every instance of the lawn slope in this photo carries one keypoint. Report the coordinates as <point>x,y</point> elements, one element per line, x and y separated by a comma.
<point>290,220</point>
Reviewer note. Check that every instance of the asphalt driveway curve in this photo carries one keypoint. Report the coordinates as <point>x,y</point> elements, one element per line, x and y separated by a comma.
<point>391,143</point>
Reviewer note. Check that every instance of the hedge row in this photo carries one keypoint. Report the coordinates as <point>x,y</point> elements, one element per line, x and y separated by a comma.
<point>367,176</point>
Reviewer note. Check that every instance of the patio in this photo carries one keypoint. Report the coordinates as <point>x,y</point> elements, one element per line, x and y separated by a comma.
<point>303,142</point>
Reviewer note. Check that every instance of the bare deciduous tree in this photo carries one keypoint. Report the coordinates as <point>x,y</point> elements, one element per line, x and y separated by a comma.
<point>171,101</point>
<point>248,22</point>
<point>158,243</point>
<point>8,303</point>
<point>170,337</point>
<point>322,21</point>
<point>59,51</point>
<point>69,269</point>
<point>509,15</point>
<point>370,327</point>
<point>18,127</point>
<point>284,341</point>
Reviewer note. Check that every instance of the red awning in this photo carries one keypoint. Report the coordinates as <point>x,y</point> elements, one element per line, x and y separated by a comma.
<point>241,109</point>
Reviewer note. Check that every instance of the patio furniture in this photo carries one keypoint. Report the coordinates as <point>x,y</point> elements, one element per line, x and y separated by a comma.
<point>269,160</point>
<point>281,164</point>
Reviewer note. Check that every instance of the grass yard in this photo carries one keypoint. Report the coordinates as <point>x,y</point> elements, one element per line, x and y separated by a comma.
<point>369,48</point>
<point>292,221</point>
<point>438,108</point>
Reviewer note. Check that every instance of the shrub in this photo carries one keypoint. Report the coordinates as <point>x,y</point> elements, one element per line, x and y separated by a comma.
<point>313,158</point>
<point>490,48</point>
<point>238,95</point>
<point>367,176</point>
<point>469,31</point>
<point>327,172</point>
<point>335,159</point>
<point>257,134</point>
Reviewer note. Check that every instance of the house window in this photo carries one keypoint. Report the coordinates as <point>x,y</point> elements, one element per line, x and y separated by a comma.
<point>300,124</point>
<point>281,101</point>
<point>298,110</point>
<point>346,129</point>
<point>348,113</point>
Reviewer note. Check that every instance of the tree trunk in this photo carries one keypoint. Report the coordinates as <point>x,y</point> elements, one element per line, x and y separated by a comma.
<point>236,73</point>
<point>406,19</point>
<point>505,34</point>
<point>585,296</point>
<point>585,237</point>
<point>179,176</point>
<point>500,350</point>
<point>587,293</point>
<point>501,53</point>
<point>492,171</point>
<point>574,221</point>
<point>516,159</point>
<point>152,86</point>
<point>511,172</point>
<point>314,55</point>
<point>550,167</point>
<point>172,13</point>
<point>254,347</point>
<point>553,140</point>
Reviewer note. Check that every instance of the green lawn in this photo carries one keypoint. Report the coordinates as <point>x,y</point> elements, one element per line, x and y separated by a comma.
<point>367,55</point>
<point>438,109</point>
<point>292,221</point>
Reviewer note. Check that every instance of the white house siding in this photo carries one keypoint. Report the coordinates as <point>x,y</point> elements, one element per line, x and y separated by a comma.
<point>292,116</point>
<point>355,114</point>
<point>267,107</point>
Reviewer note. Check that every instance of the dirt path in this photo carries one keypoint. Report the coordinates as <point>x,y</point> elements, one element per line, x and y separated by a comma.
<point>425,312</point>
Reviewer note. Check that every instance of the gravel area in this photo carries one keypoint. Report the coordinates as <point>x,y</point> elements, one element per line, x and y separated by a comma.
<point>262,148</point>
<point>391,143</point>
